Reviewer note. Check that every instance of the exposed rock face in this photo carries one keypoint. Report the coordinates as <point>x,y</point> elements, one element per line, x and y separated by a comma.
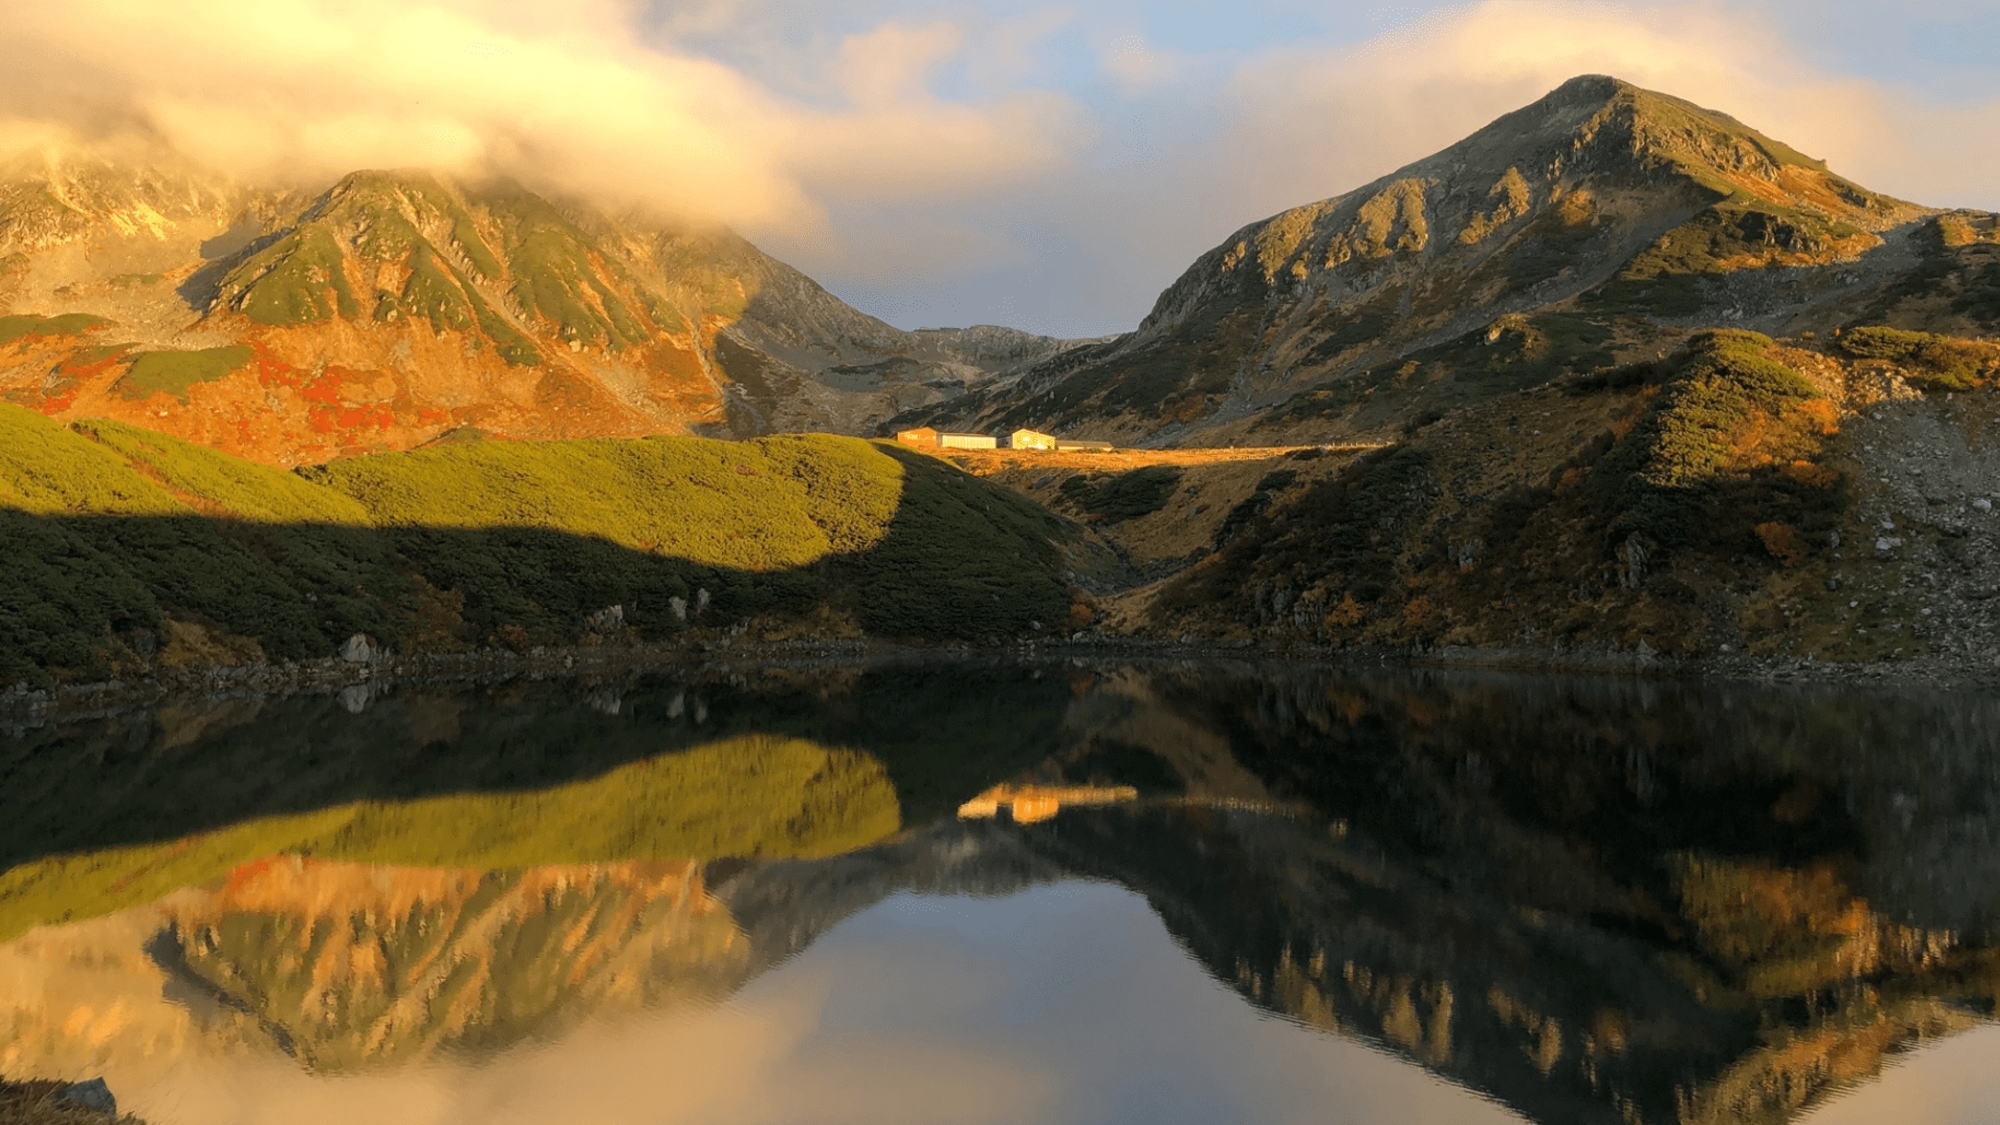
<point>395,308</point>
<point>1623,215</point>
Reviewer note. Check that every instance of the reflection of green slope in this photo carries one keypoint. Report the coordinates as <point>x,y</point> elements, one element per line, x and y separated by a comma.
<point>745,797</point>
<point>941,733</point>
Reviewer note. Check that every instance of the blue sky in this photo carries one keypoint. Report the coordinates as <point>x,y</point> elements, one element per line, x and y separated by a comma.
<point>1049,164</point>
<point>1194,118</point>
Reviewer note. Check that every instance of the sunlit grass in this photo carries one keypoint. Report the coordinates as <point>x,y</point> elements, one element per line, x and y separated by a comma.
<point>758,506</point>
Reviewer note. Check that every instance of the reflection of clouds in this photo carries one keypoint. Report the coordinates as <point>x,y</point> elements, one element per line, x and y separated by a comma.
<point>1060,1004</point>
<point>1952,1083</point>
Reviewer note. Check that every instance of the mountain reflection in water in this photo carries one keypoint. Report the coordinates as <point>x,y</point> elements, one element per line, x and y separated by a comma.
<point>1579,900</point>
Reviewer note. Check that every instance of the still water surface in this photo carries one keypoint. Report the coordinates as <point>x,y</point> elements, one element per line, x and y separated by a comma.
<point>1056,893</point>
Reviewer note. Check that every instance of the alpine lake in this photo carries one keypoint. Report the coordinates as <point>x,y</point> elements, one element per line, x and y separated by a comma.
<point>1063,892</point>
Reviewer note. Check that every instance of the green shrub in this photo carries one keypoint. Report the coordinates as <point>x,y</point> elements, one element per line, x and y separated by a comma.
<point>14,328</point>
<point>1938,363</point>
<point>1131,495</point>
<point>172,373</point>
<point>289,281</point>
<point>1667,480</point>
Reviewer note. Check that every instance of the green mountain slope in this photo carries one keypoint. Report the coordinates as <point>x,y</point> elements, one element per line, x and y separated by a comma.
<point>130,550</point>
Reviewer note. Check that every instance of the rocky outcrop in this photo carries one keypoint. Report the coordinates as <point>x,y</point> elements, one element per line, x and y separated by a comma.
<point>1606,216</point>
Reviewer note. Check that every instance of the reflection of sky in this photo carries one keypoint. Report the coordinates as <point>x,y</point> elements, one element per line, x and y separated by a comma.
<point>1059,1004</point>
<point>1950,1083</point>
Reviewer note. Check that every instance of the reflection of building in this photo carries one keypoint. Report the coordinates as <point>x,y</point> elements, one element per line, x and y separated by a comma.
<point>1029,804</point>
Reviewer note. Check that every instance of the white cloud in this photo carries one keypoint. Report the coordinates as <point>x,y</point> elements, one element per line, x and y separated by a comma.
<point>885,66</point>
<point>1136,65</point>
<point>941,147</point>
<point>1319,122</point>
<point>571,97</point>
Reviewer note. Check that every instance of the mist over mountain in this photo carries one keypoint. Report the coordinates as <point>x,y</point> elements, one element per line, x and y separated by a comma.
<point>395,307</point>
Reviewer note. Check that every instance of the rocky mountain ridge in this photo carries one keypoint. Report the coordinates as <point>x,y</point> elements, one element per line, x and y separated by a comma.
<point>1612,218</point>
<point>396,307</point>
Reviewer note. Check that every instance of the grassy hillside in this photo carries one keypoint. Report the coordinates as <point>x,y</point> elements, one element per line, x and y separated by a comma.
<point>131,550</point>
<point>1680,503</point>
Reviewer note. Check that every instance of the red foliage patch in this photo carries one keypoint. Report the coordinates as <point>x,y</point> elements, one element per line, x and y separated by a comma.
<point>275,372</point>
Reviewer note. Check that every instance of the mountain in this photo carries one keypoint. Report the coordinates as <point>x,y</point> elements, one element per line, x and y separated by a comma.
<point>1592,227</point>
<point>1614,377</point>
<point>396,307</point>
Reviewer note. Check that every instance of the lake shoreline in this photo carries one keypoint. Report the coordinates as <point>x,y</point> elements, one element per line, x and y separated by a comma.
<point>23,706</point>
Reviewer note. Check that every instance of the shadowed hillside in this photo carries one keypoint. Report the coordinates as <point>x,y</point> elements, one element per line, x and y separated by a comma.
<point>132,551</point>
<point>1741,495</point>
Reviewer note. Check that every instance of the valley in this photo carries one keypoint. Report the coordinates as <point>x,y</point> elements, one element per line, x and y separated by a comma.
<point>792,564</point>
<point>1617,376</point>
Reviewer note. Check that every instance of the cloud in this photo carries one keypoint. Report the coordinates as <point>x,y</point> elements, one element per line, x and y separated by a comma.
<point>574,97</point>
<point>890,64</point>
<point>1135,65</point>
<point>1317,122</point>
<point>937,166</point>
<point>1225,139</point>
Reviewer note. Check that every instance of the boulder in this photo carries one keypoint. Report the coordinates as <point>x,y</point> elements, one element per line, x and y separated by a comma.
<point>610,619</point>
<point>91,1095</point>
<point>360,649</point>
<point>355,698</point>
<point>1633,555</point>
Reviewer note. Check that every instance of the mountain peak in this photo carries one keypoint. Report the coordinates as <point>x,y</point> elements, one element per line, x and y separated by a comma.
<point>1631,211</point>
<point>1592,88</point>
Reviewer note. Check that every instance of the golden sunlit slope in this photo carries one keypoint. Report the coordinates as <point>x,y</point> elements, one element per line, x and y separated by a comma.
<point>396,307</point>
<point>1601,224</point>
